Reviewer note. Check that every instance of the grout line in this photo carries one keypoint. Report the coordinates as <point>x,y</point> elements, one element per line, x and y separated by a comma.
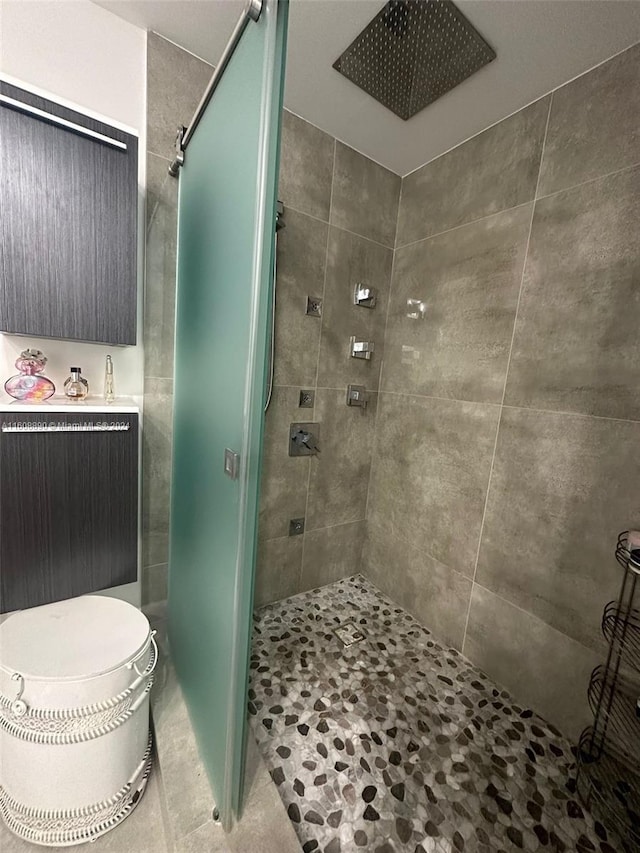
<point>395,236</point>
<point>315,382</point>
<point>465,224</point>
<point>379,390</point>
<point>341,141</point>
<point>444,399</point>
<point>333,225</point>
<point>531,615</point>
<point>393,534</point>
<point>589,181</point>
<point>571,414</point>
<point>160,157</point>
<point>535,198</point>
<point>180,47</point>
<point>516,408</point>
<point>374,448</point>
<point>560,412</point>
<point>506,373</point>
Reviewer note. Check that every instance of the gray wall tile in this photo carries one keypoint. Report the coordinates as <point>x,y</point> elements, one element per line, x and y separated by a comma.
<point>160,275</point>
<point>593,127</point>
<point>365,196</point>
<point>430,474</point>
<point>156,470</point>
<point>158,188</point>
<point>340,473</point>
<point>468,281</point>
<point>176,81</point>
<point>331,553</point>
<point>306,167</point>
<point>314,354</point>
<point>352,259</point>
<point>562,488</point>
<point>437,596</point>
<point>285,478</point>
<point>493,171</point>
<point>576,346</point>
<point>302,247</point>
<point>540,666</point>
<point>154,584</point>
<point>278,569</point>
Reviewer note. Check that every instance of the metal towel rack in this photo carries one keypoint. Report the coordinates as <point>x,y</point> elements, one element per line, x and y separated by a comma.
<point>609,751</point>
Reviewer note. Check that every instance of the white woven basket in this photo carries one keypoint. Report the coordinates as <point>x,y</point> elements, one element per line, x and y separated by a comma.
<point>75,747</point>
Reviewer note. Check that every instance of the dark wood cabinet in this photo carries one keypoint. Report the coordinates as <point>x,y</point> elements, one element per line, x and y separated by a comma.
<point>68,505</point>
<point>68,223</point>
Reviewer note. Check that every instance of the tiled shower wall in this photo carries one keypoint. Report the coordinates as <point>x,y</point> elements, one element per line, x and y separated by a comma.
<point>507,454</point>
<point>340,221</point>
<point>175,83</point>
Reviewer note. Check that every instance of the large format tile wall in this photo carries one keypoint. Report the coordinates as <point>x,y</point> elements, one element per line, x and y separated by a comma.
<point>340,221</point>
<point>507,453</point>
<point>175,82</point>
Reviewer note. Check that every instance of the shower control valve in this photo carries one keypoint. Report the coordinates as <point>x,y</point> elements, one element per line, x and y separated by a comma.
<point>303,439</point>
<point>361,349</point>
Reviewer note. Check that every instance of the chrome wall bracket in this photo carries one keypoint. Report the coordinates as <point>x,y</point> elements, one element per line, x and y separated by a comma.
<point>364,296</point>
<point>361,349</point>
<point>357,396</point>
<point>174,166</point>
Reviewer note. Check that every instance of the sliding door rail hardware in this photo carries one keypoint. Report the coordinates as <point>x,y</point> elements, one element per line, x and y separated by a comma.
<point>251,12</point>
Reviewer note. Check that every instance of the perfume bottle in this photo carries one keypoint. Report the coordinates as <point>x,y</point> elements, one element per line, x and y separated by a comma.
<point>109,389</point>
<point>76,386</point>
<point>29,385</point>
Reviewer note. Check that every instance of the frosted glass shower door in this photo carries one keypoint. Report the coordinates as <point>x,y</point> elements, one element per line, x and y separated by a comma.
<point>225,240</point>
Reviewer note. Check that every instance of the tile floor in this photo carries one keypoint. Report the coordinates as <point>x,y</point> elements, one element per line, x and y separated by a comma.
<point>398,744</point>
<point>174,815</point>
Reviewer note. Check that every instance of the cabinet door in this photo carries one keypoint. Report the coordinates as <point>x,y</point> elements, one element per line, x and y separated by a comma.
<point>68,505</point>
<point>68,227</point>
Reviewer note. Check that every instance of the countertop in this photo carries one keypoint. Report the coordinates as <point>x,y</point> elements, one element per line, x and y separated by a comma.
<point>63,404</point>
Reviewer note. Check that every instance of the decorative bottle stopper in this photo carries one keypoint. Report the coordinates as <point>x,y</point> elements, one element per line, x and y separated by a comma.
<point>76,386</point>
<point>27,385</point>
<point>109,390</point>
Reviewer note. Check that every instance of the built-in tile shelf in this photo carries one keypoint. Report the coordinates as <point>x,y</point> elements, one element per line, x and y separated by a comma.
<point>63,404</point>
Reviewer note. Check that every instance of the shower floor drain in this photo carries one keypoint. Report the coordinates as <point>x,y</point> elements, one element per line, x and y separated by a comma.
<point>348,633</point>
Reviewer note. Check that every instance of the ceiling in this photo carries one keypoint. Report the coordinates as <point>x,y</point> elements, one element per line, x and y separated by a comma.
<point>540,45</point>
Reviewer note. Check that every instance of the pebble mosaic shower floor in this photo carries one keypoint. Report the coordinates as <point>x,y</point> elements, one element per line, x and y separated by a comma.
<point>396,743</point>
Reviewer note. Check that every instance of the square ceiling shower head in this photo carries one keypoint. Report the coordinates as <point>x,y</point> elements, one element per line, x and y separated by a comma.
<point>413,52</point>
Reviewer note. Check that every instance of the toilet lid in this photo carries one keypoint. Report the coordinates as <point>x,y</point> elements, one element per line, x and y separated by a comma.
<point>73,639</point>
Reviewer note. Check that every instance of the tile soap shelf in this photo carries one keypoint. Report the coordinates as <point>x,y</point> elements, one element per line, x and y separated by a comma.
<point>609,751</point>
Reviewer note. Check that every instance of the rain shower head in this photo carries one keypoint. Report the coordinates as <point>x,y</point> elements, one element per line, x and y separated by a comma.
<point>413,52</point>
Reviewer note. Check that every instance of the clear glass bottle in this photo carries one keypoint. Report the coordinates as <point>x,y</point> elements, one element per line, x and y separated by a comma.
<point>109,388</point>
<point>76,386</point>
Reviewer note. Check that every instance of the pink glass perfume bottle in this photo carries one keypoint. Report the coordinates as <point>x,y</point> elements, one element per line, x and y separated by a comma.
<point>28,385</point>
